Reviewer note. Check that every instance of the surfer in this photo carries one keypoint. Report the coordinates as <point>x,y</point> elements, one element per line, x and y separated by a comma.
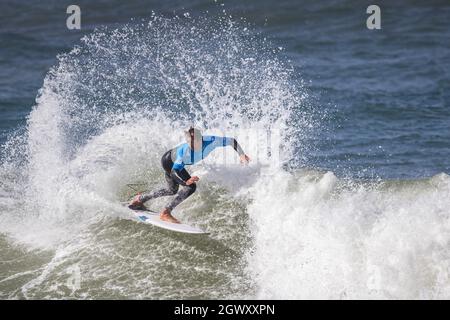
<point>196,148</point>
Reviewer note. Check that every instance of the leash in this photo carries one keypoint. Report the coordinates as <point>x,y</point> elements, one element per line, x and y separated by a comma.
<point>130,185</point>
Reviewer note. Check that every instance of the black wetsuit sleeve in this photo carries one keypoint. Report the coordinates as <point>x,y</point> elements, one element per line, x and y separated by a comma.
<point>180,176</point>
<point>236,146</point>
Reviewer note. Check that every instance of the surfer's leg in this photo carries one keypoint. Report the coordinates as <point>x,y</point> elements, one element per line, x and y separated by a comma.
<point>139,199</point>
<point>184,193</point>
<point>172,188</point>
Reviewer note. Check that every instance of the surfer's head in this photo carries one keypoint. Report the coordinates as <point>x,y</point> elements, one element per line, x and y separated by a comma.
<point>194,138</point>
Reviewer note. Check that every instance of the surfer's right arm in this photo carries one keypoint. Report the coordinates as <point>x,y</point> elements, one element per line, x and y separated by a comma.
<point>175,175</point>
<point>178,173</point>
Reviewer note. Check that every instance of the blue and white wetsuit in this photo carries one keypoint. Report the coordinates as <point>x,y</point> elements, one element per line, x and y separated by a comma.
<point>174,161</point>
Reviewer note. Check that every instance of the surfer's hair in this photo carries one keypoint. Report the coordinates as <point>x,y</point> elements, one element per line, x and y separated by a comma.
<point>193,134</point>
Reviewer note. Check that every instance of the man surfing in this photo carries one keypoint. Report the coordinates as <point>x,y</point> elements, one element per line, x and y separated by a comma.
<point>196,148</point>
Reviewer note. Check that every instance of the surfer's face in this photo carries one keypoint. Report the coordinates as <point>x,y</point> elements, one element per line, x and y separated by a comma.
<point>197,142</point>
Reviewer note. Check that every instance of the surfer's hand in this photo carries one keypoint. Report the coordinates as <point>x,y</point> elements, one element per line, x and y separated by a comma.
<point>245,159</point>
<point>191,180</point>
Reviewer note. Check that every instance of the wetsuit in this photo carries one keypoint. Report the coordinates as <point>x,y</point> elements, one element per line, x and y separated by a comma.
<point>174,161</point>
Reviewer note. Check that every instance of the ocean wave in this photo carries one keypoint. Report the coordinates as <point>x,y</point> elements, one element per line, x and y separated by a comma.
<point>104,116</point>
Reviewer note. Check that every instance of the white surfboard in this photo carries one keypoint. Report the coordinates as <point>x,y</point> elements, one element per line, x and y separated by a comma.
<point>151,217</point>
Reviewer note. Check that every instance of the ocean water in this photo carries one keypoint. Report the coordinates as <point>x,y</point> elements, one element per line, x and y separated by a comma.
<point>355,206</point>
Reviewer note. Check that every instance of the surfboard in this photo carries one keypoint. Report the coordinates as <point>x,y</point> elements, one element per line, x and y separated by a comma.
<point>151,217</point>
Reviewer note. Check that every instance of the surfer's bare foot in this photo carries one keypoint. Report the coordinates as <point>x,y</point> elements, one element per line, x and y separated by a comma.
<point>136,203</point>
<point>165,215</point>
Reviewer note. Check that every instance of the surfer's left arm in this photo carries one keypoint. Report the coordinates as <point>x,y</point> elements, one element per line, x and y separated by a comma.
<point>237,147</point>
